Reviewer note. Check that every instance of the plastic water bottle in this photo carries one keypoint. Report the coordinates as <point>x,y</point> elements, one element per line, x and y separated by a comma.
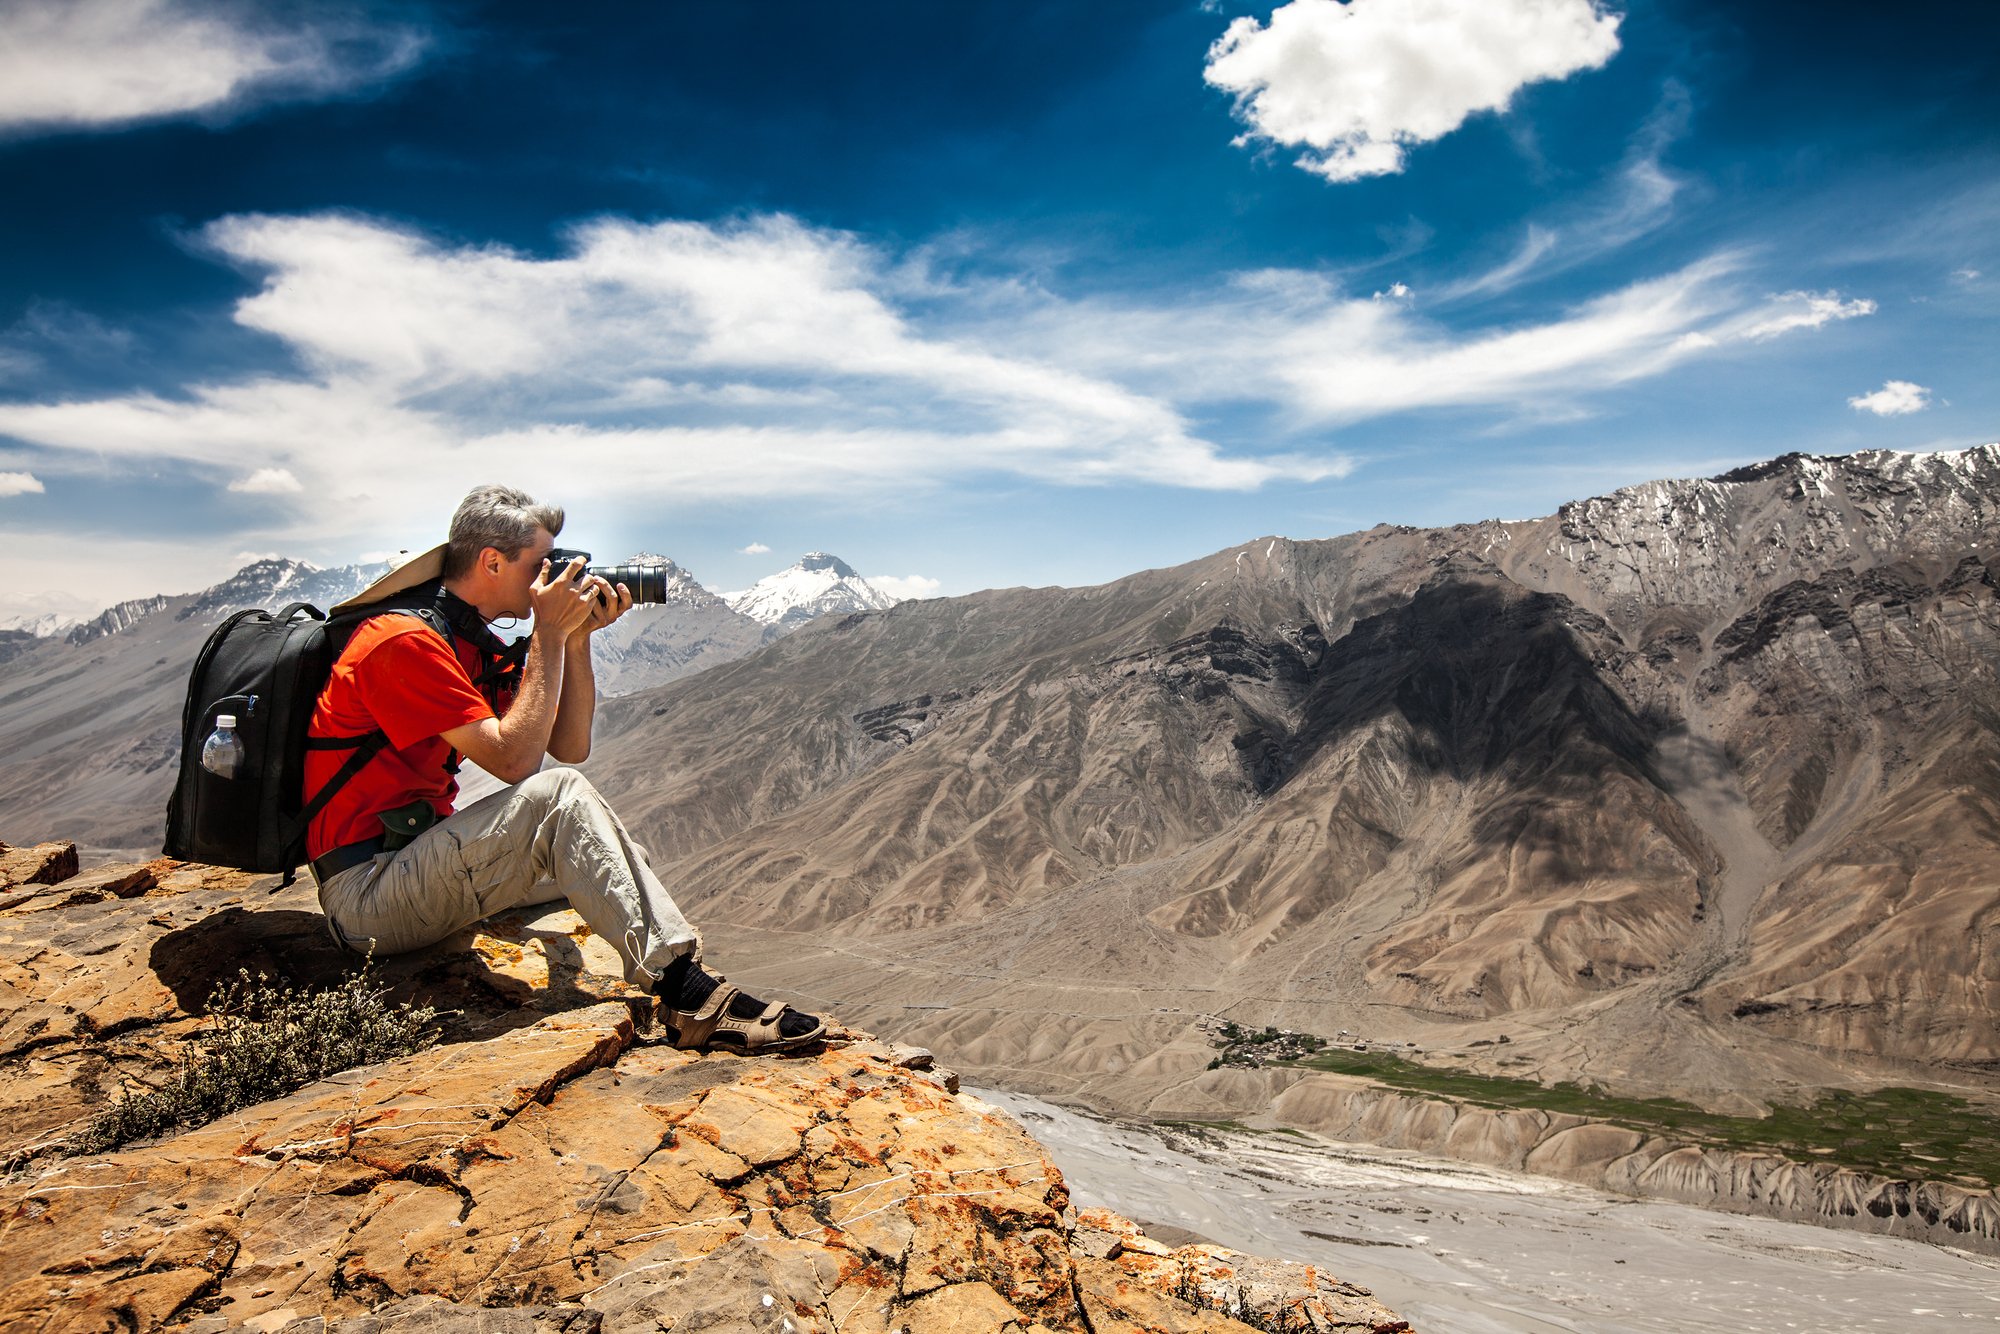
<point>222,753</point>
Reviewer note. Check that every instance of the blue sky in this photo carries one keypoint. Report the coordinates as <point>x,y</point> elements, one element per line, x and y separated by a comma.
<point>972,294</point>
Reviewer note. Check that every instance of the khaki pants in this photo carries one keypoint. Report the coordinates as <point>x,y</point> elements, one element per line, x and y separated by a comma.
<point>550,837</point>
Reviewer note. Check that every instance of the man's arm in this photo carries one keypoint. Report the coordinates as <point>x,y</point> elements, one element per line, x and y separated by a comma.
<point>511,748</point>
<point>569,741</point>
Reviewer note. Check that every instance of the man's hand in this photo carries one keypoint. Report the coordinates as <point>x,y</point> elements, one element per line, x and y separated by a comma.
<point>563,602</point>
<point>609,604</point>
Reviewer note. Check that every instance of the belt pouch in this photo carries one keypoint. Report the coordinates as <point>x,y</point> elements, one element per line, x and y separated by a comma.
<point>401,826</point>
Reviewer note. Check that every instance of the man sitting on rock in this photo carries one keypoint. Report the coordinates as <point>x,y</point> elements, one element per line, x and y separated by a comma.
<point>398,869</point>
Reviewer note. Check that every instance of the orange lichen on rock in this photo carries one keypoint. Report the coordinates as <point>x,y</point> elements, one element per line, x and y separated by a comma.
<point>550,1156</point>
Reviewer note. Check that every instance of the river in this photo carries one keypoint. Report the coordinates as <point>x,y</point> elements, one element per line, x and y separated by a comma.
<point>1463,1249</point>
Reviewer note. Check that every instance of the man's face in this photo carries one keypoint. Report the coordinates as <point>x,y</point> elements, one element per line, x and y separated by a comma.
<point>518,575</point>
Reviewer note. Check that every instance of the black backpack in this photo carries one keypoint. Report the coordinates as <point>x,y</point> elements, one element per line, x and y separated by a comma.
<point>268,671</point>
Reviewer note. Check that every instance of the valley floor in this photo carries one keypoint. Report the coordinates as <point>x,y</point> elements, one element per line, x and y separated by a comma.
<point>1460,1249</point>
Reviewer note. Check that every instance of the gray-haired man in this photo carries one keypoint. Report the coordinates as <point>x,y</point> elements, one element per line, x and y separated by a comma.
<point>398,868</point>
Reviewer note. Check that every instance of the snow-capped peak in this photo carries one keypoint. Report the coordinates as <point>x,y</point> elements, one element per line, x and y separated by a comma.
<point>44,626</point>
<point>817,584</point>
<point>272,582</point>
<point>814,561</point>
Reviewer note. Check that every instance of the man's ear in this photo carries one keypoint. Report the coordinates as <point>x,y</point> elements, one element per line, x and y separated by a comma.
<point>491,561</point>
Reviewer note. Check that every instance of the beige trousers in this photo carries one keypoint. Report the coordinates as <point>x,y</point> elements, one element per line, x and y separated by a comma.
<point>550,837</point>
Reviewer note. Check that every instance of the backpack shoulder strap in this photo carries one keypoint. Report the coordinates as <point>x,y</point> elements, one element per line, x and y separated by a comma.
<point>369,744</point>
<point>365,748</point>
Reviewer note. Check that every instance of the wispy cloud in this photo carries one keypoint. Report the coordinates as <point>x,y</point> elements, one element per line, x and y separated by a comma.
<point>268,482</point>
<point>1319,357</point>
<point>1357,83</point>
<point>68,64</point>
<point>905,586</point>
<point>1637,199</point>
<point>754,549</point>
<point>19,484</point>
<point>1896,398</point>
<point>769,359</point>
<point>1806,310</point>
<point>762,358</point>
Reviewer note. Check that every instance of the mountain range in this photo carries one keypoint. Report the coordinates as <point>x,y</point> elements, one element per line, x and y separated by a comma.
<point>694,628</point>
<point>90,717</point>
<point>1693,788</point>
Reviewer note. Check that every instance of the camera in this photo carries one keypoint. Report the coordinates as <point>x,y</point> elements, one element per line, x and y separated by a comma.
<point>647,582</point>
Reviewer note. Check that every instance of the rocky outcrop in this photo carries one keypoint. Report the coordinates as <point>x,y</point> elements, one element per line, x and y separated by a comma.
<point>1260,1290</point>
<point>36,870</point>
<point>550,1165</point>
<point>112,620</point>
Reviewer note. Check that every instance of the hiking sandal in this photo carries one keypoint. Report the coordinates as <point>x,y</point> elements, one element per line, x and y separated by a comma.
<point>711,1027</point>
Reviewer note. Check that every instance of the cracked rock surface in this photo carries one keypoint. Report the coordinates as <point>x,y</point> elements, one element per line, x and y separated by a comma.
<point>550,1166</point>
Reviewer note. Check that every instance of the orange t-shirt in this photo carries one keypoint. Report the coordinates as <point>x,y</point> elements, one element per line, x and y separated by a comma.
<point>398,675</point>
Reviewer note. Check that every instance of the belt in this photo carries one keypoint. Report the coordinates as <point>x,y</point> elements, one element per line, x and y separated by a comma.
<point>330,864</point>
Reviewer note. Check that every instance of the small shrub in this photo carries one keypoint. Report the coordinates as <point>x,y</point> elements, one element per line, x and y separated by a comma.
<point>263,1040</point>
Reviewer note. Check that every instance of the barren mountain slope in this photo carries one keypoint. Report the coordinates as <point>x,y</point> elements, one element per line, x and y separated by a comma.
<point>90,725</point>
<point>1589,776</point>
<point>653,645</point>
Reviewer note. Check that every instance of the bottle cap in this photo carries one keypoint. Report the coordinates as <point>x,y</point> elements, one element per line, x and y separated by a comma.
<point>225,720</point>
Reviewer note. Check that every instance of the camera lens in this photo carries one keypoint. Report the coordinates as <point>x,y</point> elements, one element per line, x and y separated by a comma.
<point>647,582</point>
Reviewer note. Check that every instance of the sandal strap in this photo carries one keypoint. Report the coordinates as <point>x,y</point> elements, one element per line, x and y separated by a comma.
<point>696,1025</point>
<point>695,1029</point>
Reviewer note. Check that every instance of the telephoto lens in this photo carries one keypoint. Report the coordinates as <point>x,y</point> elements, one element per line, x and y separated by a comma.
<point>647,582</point>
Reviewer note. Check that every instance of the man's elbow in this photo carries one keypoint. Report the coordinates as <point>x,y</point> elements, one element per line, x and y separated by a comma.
<point>516,771</point>
<point>577,756</point>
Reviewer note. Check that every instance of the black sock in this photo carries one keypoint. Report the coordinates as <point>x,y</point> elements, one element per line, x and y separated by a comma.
<point>686,985</point>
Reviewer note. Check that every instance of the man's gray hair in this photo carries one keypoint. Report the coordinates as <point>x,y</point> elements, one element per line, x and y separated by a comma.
<point>495,516</point>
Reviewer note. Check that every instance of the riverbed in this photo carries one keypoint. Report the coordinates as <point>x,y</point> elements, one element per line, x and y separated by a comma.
<point>1463,1249</point>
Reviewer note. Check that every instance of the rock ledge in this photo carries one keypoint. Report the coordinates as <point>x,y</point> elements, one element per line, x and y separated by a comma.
<point>551,1166</point>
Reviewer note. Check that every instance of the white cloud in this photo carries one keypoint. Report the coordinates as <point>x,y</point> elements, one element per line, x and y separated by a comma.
<point>19,607</point>
<point>268,482</point>
<point>676,363</point>
<point>84,63</point>
<point>1395,292</point>
<point>1806,310</point>
<point>250,557</point>
<point>1894,399</point>
<point>754,549</point>
<point>684,361</point>
<point>905,586</point>
<point>1357,83</point>
<point>1966,275</point>
<point>19,484</point>
<point>1290,339</point>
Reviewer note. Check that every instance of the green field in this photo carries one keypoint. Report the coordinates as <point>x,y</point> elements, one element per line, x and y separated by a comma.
<point>1895,1132</point>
